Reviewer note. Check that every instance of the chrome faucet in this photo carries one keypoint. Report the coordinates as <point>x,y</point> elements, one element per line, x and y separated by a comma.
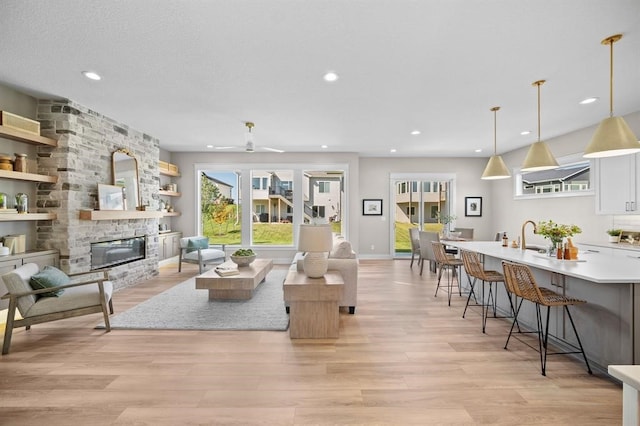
<point>523,244</point>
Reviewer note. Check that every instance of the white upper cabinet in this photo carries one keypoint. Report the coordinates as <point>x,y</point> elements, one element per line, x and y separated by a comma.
<point>617,184</point>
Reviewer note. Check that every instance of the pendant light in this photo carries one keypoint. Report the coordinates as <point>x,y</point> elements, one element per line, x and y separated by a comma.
<point>539,156</point>
<point>496,169</point>
<point>613,136</point>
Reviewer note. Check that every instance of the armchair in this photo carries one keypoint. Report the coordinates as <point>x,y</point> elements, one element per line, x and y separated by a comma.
<point>87,296</point>
<point>198,250</point>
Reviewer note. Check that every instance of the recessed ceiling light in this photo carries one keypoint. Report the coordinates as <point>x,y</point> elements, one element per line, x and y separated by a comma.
<point>588,101</point>
<point>324,146</point>
<point>478,150</point>
<point>525,132</point>
<point>209,146</point>
<point>415,132</point>
<point>392,150</point>
<point>91,75</point>
<point>330,77</point>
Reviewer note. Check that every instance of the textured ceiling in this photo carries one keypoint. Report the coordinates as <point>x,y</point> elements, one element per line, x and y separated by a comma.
<point>192,72</point>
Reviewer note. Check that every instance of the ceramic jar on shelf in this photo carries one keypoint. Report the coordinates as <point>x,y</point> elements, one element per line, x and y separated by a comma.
<point>20,163</point>
<point>6,162</point>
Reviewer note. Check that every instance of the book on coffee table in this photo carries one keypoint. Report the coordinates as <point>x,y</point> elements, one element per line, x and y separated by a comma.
<point>225,272</point>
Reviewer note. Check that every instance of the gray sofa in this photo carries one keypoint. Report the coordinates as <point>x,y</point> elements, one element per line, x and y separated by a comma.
<point>342,258</point>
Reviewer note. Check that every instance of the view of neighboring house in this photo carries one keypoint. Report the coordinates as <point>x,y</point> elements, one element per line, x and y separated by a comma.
<point>412,197</point>
<point>272,194</point>
<point>571,178</point>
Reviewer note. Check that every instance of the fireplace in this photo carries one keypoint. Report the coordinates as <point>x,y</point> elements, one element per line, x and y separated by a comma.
<point>105,254</point>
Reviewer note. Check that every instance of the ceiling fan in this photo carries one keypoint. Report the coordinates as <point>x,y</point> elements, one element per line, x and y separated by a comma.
<point>250,144</point>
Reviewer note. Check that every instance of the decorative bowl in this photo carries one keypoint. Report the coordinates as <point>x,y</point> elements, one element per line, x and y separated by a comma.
<point>243,260</point>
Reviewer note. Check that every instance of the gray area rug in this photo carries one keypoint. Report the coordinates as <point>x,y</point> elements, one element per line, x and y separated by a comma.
<point>182,307</point>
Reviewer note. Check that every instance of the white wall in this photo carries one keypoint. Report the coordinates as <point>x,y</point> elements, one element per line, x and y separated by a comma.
<point>374,179</point>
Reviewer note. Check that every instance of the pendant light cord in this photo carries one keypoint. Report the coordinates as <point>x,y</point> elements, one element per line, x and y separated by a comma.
<point>611,41</point>
<point>495,127</point>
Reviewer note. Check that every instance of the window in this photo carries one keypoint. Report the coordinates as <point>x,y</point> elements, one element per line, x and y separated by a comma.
<point>275,202</point>
<point>572,178</point>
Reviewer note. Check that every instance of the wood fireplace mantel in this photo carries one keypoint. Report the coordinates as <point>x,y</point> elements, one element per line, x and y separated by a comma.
<point>118,214</point>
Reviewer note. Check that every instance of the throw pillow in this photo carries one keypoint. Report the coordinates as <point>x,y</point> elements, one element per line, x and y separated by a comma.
<point>49,277</point>
<point>341,250</point>
<point>197,243</point>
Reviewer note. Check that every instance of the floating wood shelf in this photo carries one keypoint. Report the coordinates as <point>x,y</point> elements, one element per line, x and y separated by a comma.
<point>31,177</point>
<point>22,136</point>
<point>119,214</point>
<point>10,217</point>
<point>169,193</point>
<point>166,214</point>
<point>169,173</point>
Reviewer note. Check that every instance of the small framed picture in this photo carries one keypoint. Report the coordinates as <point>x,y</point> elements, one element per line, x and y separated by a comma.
<point>473,206</point>
<point>372,207</point>
<point>110,197</point>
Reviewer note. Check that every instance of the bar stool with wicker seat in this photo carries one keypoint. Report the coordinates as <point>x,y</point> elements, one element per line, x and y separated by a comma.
<point>449,263</point>
<point>475,269</point>
<point>521,282</point>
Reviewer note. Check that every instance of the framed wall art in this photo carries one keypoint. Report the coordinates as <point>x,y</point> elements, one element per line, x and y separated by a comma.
<point>473,206</point>
<point>110,197</point>
<point>372,207</point>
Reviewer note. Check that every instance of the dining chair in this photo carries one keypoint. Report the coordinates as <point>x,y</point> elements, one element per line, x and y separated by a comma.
<point>447,263</point>
<point>425,238</point>
<point>465,233</point>
<point>521,282</point>
<point>414,236</point>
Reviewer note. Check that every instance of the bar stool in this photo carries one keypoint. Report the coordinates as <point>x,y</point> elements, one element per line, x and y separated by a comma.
<point>474,268</point>
<point>450,264</point>
<point>521,282</point>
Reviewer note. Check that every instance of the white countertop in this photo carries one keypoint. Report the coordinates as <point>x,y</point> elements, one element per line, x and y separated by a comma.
<point>629,374</point>
<point>590,266</point>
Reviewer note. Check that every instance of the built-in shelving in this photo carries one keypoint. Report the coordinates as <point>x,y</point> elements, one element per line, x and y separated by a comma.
<point>31,177</point>
<point>22,136</point>
<point>119,214</point>
<point>13,217</point>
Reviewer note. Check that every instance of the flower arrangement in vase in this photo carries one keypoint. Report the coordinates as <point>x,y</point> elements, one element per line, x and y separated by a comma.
<point>556,233</point>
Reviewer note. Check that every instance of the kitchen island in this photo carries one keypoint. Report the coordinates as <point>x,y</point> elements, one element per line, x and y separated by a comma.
<point>609,330</point>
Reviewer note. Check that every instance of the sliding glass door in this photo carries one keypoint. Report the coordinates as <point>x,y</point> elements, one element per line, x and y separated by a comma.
<point>419,202</point>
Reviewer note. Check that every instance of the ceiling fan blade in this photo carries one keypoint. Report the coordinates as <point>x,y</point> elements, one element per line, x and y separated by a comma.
<point>224,147</point>
<point>272,149</point>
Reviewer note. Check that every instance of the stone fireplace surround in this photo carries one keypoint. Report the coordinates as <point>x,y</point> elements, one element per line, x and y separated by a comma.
<point>82,159</point>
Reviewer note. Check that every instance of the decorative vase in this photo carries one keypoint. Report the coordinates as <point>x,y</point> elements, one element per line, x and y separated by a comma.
<point>555,249</point>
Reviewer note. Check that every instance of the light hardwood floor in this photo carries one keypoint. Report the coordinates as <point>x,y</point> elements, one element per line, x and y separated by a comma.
<point>405,357</point>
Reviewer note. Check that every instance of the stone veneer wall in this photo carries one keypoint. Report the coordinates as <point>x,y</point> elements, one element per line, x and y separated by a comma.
<point>86,140</point>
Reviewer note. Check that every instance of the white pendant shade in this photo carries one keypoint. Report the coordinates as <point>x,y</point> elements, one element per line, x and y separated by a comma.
<point>612,137</point>
<point>496,169</point>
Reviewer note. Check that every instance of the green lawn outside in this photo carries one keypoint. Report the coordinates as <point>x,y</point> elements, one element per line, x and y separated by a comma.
<point>263,233</point>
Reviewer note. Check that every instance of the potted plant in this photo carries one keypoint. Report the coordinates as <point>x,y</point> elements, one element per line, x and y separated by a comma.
<point>614,235</point>
<point>556,233</point>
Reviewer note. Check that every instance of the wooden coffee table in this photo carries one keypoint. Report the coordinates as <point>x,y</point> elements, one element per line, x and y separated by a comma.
<point>239,286</point>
